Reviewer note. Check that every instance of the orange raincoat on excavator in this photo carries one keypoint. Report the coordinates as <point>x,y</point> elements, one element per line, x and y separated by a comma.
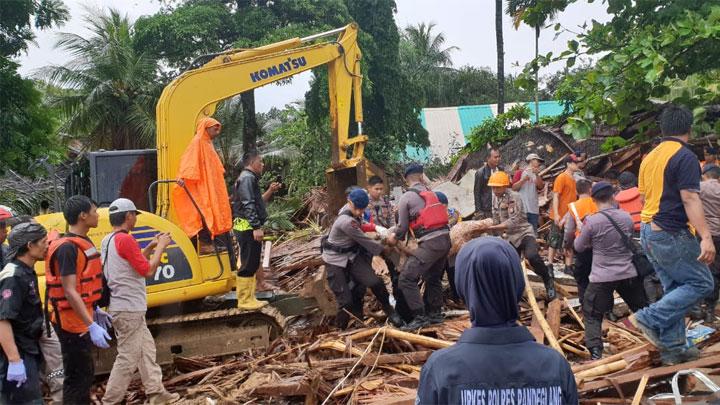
<point>203,174</point>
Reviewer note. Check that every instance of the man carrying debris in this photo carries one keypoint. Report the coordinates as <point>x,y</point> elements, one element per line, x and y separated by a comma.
<point>611,264</point>
<point>670,183</point>
<point>73,275</point>
<point>481,191</point>
<point>528,186</point>
<point>126,267</point>
<point>250,216</point>
<point>347,253</point>
<point>421,213</point>
<point>710,196</point>
<point>564,192</point>
<point>490,280</point>
<point>577,211</point>
<point>21,316</point>
<point>511,221</point>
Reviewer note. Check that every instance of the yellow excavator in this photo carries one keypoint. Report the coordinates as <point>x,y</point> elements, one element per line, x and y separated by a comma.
<point>186,306</point>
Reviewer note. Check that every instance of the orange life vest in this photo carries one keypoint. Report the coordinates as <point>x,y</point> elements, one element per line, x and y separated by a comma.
<point>433,216</point>
<point>581,209</point>
<point>629,201</point>
<point>89,282</point>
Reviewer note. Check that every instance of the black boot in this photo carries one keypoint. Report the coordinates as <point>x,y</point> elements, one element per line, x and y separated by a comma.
<point>550,287</point>
<point>709,317</point>
<point>393,317</point>
<point>342,319</point>
<point>435,315</point>
<point>596,353</point>
<point>419,321</point>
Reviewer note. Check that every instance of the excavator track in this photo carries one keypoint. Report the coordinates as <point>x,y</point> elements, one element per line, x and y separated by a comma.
<point>208,333</point>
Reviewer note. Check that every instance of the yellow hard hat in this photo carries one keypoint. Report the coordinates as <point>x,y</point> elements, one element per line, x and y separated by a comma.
<point>499,179</point>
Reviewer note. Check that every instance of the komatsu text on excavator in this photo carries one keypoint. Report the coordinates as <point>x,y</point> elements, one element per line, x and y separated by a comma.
<point>187,311</point>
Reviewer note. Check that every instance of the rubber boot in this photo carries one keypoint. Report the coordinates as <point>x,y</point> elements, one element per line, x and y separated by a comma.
<point>696,312</point>
<point>550,287</point>
<point>435,315</point>
<point>245,290</point>
<point>596,353</point>
<point>419,321</point>
<point>342,319</point>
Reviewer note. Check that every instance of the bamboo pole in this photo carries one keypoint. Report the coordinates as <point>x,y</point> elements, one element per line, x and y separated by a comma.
<point>602,369</point>
<point>538,314</point>
<point>574,314</point>
<point>417,339</point>
<point>640,390</point>
<point>586,366</point>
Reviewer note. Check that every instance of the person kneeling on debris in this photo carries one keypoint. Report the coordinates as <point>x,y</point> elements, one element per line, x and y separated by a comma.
<point>347,253</point>
<point>489,279</point>
<point>612,267</point>
<point>126,267</point>
<point>510,218</point>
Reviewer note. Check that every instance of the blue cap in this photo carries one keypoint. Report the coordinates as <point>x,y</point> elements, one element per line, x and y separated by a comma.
<point>442,197</point>
<point>359,198</point>
<point>711,150</point>
<point>413,168</point>
<point>600,186</point>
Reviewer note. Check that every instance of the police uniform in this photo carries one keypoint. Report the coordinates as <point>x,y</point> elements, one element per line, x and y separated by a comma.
<point>347,253</point>
<point>381,212</point>
<point>509,210</point>
<point>427,262</point>
<point>515,369</point>
<point>20,305</point>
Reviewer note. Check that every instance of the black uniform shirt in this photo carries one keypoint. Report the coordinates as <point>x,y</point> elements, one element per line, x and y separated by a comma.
<point>497,366</point>
<point>66,256</point>
<point>20,305</point>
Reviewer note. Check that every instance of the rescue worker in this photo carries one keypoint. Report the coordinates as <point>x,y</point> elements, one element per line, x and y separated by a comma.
<point>528,186</point>
<point>669,182</point>
<point>497,357</point>
<point>564,192</point>
<point>481,191</point>
<point>629,200</point>
<point>201,172</point>
<point>510,221</point>
<point>710,196</point>
<point>126,267</point>
<point>453,218</point>
<point>421,213</point>
<point>380,213</point>
<point>710,156</point>
<point>347,253</point>
<point>612,268</point>
<point>577,212</point>
<point>21,316</point>
<point>73,275</point>
<point>250,216</point>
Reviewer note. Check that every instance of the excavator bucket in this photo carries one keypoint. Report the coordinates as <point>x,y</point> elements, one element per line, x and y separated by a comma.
<point>339,179</point>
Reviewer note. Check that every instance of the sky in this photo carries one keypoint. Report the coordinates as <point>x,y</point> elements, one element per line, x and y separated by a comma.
<point>467,24</point>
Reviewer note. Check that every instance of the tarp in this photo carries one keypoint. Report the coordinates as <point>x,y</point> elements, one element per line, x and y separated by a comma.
<point>203,174</point>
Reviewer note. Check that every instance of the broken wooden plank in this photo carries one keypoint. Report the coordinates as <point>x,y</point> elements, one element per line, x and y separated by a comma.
<point>602,369</point>
<point>536,330</point>
<point>640,390</point>
<point>615,357</point>
<point>553,317</point>
<point>536,310</point>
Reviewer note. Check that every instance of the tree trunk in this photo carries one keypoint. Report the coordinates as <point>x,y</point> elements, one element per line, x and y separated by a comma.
<point>500,57</point>
<point>250,125</point>
<point>537,74</point>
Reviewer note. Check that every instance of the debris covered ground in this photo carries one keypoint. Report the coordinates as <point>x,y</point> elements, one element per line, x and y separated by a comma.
<point>371,363</point>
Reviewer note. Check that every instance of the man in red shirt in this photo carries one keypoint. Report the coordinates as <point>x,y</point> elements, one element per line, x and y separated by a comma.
<point>126,267</point>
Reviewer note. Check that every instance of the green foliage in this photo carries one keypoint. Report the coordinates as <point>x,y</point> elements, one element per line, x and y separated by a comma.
<point>280,210</point>
<point>650,50</point>
<point>28,126</point>
<point>19,17</point>
<point>438,168</point>
<point>306,148</point>
<point>391,101</point>
<point>500,128</point>
<point>111,87</point>
<point>613,143</point>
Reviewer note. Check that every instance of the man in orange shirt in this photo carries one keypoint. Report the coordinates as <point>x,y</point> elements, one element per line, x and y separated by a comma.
<point>564,193</point>
<point>577,211</point>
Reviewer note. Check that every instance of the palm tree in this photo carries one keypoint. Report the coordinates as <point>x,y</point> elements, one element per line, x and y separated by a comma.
<point>535,13</point>
<point>500,57</point>
<point>424,55</point>
<point>111,88</point>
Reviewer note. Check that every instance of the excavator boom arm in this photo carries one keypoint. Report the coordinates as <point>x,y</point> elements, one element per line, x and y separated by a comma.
<point>195,94</point>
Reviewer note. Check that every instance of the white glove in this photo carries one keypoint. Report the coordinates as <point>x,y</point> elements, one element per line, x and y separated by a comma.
<point>381,230</point>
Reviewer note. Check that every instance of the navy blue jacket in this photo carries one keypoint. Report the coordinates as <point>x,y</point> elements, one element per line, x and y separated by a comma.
<point>497,366</point>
